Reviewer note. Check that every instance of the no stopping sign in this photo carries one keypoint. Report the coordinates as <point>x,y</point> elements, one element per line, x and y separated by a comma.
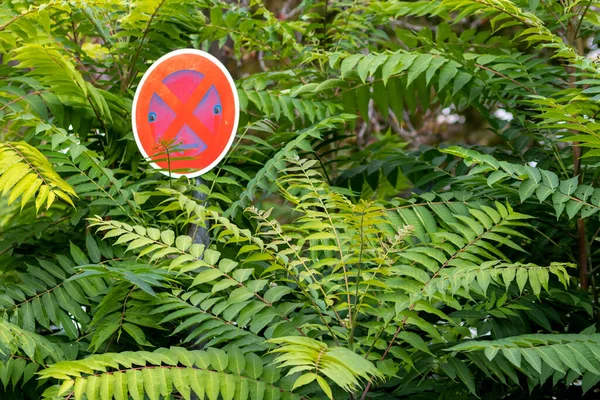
<point>188,99</point>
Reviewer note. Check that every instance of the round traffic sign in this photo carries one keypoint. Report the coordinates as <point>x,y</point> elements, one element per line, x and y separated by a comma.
<point>186,106</point>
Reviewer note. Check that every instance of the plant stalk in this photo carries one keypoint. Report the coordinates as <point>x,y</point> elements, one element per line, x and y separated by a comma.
<point>582,248</point>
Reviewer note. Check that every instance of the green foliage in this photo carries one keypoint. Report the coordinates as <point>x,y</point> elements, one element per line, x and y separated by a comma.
<point>541,356</point>
<point>46,295</point>
<point>350,255</point>
<point>35,347</point>
<point>544,184</point>
<point>318,281</point>
<point>339,364</point>
<point>213,373</point>
<point>25,172</point>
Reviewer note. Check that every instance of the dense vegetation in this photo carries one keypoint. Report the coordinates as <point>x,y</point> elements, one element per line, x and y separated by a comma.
<point>409,209</point>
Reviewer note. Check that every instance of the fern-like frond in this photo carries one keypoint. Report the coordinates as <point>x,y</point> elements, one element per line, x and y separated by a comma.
<point>313,358</point>
<point>539,356</point>
<point>160,374</point>
<point>229,288</point>
<point>229,321</point>
<point>25,172</point>
<point>16,372</point>
<point>17,341</point>
<point>22,353</point>
<point>478,278</point>
<point>46,296</point>
<point>527,181</point>
<point>505,13</point>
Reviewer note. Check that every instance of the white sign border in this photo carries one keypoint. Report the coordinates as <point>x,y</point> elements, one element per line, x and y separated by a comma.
<point>236,119</point>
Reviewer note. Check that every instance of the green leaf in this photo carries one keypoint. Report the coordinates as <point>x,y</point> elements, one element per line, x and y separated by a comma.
<point>275,293</point>
<point>447,73</point>
<point>216,16</point>
<point>533,173</point>
<point>495,177</point>
<point>542,192</point>
<point>78,255</point>
<point>567,357</point>
<point>106,387</point>
<point>228,386</point>
<point>22,187</point>
<point>414,340</point>
<point>380,96</point>
<point>363,67</point>
<point>533,359</point>
<point>180,382</point>
<point>419,66</point>
<point>197,379</point>
<point>93,387</point>
<point>211,256</point>
<point>218,359</point>
<point>550,357</point>
<point>363,96</point>
<point>522,275</point>
<point>304,379</point>
<point>461,80</point>
<point>79,388</point>
<point>396,97</point>
<point>136,333</point>
<point>550,179</point>
<point>435,64</point>
<point>92,248</point>
<point>150,384</point>
<point>237,361</point>
<point>254,366</point>
<point>227,265</point>
<point>168,237</point>
<point>513,355</point>
<point>464,373</point>
<point>349,63</point>
<point>213,385</point>
<point>183,242</point>
<point>325,387</point>
<point>527,188</point>
<point>569,186</point>
<point>390,66</point>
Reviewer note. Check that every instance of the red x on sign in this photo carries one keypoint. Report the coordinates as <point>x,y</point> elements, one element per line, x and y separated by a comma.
<point>186,105</point>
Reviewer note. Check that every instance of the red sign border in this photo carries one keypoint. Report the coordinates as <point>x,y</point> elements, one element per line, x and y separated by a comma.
<point>236,101</point>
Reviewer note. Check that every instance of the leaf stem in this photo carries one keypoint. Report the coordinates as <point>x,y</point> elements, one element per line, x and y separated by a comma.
<point>357,283</point>
<point>130,75</point>
<point>581,19</point>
